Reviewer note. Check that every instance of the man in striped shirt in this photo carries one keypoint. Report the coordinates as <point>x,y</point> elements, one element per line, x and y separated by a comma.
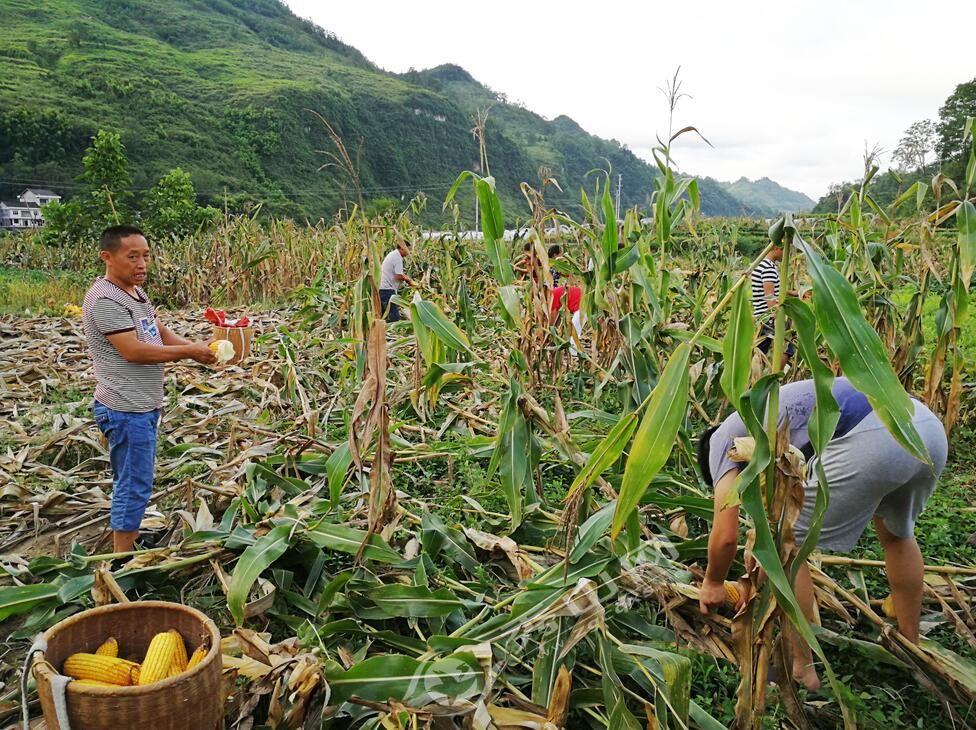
<point>128,346</point>
<point>765,298</point>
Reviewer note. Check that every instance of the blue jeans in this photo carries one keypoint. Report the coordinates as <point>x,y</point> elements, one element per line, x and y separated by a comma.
<point>132,451</point>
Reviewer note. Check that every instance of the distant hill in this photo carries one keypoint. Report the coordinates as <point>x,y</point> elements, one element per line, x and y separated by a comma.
<point>223,89</point>
<point>767,197</point>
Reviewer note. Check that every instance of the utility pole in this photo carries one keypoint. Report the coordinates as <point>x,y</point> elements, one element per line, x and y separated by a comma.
<point>620,178</point>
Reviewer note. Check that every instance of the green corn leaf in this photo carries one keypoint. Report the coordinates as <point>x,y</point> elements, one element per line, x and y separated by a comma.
<point>656,435</point>
<point>493,228</point>
<point>513,468</point>
<point>265,550</point>
<point>605,454</point>
<point>348,540</point>
<point>402,601</point>
<point>591,531</point>
<point>823,421</point>
<point>737,347</point>
<point>394,676</point>
<point>966,223</point>
<point>438,538</point>
<point>448,332</point>
<point>15,600</point>
<point>337,467</point>
<point>752,407</point>
<point>861,353</point>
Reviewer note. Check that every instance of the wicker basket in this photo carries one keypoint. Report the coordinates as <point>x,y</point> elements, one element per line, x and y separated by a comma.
<point>239,337</point>
<point>193,699</point>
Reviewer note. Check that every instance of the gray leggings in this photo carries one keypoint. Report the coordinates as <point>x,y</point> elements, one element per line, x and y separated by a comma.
<point>869,473</point>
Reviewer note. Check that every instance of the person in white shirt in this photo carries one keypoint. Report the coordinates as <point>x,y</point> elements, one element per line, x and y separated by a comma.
<point>391,276</point>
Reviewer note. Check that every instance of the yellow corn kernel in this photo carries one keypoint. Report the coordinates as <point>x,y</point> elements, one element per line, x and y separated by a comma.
<point>731,592</point>
<point>93,683</point>
<point>109,647</point>
<point>159,658</point>
<point>197,657</point>
<point>102,668</point>
<point>179,660</point>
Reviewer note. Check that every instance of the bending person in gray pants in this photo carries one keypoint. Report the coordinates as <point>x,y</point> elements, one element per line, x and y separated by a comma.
<point>869,475</point>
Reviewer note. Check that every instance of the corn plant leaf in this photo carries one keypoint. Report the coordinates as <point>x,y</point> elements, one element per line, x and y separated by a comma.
<point>15,600</point>
<point>966,223</point>
<point>438,538</point>
<point>402,601</point>
<point>609,223</point>
<point>752,407</point>
<point>605,454</point>
<point>860,350</point>
<point>348,540</point>
<point>448,332</point>
<point>547,662</point>
<point>737,347</point>
<point>671,670</point>
<point>655,436</point>
<point>511,304</point>
<point>337,467</point>
<point>621,718</point>
<point>591,531</point>
<point>394,676</point>
<point>826,414</point>
<point>265,550</point>
<point>493,228</point>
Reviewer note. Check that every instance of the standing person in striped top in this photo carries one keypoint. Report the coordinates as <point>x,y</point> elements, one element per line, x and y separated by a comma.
<point>765,298</point>
<point>128,346</point>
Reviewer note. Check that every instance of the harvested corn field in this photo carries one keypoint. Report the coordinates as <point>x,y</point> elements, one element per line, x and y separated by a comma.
<point>485,515</point>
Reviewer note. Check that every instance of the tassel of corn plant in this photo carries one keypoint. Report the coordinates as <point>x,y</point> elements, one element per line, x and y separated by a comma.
<point>102,668</point>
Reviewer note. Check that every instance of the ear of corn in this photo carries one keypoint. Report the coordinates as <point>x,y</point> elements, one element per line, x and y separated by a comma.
<point>93,683</point>
<point>731,592</point>
<point>197,657</point>
<point>110,647</point>
<point>102,668</point>
<point>179,659</point>
<point>159,658</point>
<point>223,349</point>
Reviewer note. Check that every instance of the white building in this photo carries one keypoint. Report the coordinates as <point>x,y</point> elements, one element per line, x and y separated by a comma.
<point>25,212</point>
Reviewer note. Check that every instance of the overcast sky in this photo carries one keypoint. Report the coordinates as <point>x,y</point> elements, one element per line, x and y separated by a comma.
<point>790,90</point>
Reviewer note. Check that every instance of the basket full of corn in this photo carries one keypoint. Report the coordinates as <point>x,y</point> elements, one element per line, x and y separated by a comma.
<point>147,664</point>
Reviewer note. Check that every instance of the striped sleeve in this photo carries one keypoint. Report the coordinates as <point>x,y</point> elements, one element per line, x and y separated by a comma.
<point>111,318</point>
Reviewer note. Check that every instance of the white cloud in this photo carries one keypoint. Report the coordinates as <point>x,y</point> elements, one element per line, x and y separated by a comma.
<point>789,90</point>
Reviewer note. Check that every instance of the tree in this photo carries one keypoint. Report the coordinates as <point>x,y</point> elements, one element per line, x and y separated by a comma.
<point>916,144</point>
<point>952,118</point>
<point>107,175</point>
<point>171,207</point>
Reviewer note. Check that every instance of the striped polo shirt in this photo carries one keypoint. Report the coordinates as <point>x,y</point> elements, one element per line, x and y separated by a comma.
<point>766,270</point>
<point>122,385</point>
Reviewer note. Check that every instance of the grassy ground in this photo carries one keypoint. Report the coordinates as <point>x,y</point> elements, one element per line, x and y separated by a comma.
<point>40,292</point>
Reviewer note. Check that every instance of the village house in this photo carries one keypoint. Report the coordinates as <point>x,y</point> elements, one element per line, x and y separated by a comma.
<point>25,212</point>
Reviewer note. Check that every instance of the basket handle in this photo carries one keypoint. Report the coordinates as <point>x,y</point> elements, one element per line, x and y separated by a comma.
<point>59,684</point>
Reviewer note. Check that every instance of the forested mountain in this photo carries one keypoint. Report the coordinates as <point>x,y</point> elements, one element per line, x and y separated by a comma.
<point>226,90</point>
<point>766,197</point>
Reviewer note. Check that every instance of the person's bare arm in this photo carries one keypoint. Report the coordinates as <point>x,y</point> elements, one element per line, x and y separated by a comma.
<point>769,294</point>
<point>405,278</point>
<point>722,545</point>
<point>169,337</point>
<point>134,350</point>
